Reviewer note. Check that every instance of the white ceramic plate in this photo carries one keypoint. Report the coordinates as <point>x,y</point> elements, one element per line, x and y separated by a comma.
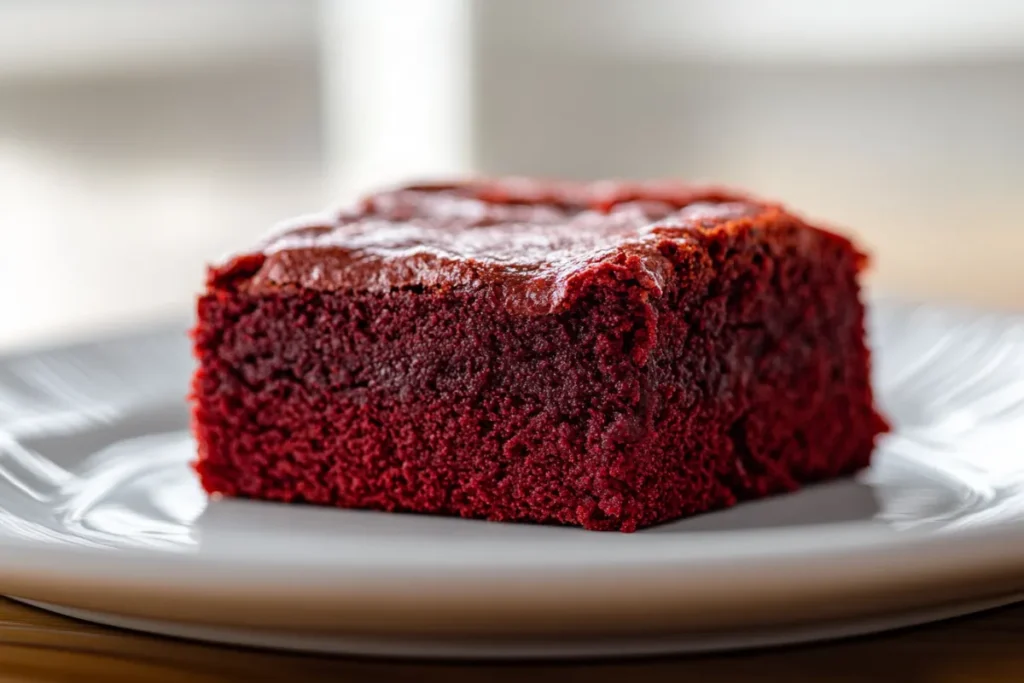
<point>101,518</point>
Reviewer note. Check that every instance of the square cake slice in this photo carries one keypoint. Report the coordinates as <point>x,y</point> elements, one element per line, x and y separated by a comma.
<point>604,355</point>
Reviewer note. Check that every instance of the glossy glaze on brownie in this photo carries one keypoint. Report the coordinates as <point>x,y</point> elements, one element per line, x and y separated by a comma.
<point>458,237</point>
<point>595,354</point>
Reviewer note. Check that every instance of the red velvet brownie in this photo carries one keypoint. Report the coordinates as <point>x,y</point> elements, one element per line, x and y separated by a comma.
<point>603,355</point>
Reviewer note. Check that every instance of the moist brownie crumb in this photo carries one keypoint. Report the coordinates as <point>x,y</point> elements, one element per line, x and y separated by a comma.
<point>596,354</point>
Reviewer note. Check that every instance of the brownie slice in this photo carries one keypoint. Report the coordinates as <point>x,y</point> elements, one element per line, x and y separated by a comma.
<point>603,355</point>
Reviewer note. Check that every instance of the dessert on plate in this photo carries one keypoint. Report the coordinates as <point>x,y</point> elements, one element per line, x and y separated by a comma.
<point>604,355</point>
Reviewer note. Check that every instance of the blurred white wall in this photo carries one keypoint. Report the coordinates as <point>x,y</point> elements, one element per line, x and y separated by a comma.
<point>140,139</point>
<point>92,37</point>
<point>397,90</point>
<point>775,31</point>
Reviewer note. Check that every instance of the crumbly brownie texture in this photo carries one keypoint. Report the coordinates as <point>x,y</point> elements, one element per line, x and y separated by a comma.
<point>603,355</point>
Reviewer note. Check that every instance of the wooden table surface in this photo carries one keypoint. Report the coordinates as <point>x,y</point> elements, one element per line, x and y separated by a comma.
<point>38,646</point>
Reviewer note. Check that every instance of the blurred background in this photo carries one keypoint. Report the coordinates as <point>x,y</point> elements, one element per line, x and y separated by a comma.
<point>140,139</point>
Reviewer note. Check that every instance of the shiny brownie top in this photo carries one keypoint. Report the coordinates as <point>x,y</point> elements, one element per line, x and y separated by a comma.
<point>531,243</point>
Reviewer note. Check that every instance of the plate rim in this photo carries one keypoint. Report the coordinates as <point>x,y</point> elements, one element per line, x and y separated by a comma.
<point>536,650</point>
